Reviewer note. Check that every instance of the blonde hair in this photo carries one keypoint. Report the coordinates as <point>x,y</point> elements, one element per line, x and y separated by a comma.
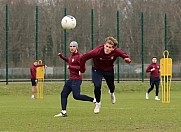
<point>112,41</point>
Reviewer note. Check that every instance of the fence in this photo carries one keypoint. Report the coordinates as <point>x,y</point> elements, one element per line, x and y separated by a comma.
<point>37,34</point>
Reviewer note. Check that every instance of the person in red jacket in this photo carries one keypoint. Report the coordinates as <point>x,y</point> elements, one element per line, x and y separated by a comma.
<point>154,70</point>
<point>103,57</point>
<point>75,80</point>
<point>33,77</point>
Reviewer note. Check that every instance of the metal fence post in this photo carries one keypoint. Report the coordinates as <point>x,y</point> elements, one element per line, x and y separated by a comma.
<point>118,38</point>
<point>7,44</point>
<point>36,32</point>
<point>142,40</point>
<point>166,40</point>
<point>65,49</point>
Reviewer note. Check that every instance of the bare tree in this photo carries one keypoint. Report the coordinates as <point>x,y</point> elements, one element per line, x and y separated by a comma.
<point>22,25</point>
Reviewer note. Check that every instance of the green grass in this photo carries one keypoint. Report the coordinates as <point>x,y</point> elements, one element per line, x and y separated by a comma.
<point>132,112</point>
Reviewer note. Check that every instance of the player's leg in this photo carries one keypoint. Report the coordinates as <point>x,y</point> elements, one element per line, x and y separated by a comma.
<point>75,85</point>
<point>151,87</point>
<point>64,96</point>
<point>157,83</point>
<point>97,80</point>
<point>109,77</point>
<point>33,92</point>
<point>33,88</point>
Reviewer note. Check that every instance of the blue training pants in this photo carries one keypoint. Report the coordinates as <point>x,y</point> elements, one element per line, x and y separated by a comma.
<point>74,86</point>
<point>97,77</point>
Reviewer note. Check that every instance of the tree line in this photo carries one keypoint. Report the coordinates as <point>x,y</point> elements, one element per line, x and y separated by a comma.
<point>22,23</point>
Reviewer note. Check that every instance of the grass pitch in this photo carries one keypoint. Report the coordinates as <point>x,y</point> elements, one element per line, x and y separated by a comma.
<point>131,112</point>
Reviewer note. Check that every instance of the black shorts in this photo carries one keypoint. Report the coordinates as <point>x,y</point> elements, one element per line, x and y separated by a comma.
<point>33,82</point>
<point>155,81</point>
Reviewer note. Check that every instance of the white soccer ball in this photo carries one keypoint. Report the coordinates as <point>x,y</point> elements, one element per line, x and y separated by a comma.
<point>68,22</point>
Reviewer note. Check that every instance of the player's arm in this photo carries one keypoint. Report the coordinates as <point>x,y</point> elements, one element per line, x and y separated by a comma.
<point>123,55</point>
<point>150,68</point>
<point>85,57</point>
<point>63,57</point>
<point>40,65</point>
<point>158,69</point>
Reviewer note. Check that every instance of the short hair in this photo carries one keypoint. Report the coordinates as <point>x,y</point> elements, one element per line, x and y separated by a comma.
<point>154,57</point>
<point>112,41</point>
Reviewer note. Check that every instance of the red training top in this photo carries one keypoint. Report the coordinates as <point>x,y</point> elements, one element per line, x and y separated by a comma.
<point>101,60</point>
<point>74,65</point>
<point>33,71</point>
<point>155,73</point>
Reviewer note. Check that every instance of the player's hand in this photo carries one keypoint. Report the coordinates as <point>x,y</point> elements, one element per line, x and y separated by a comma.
<point>127,60</point>
<point>80,73</point>
<point>46,66</point>
<point>59,54</point>
<point>152,69</point>
<point>67,66</point>
<point>82,70</point>
<point>36,80</point>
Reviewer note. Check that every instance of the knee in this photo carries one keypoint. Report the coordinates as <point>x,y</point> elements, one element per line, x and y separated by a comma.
<point>76,96</point>
<point>97,86</point>
<point>151,88</point>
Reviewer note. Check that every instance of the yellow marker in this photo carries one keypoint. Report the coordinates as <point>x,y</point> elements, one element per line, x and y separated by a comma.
<point>166,76</point>
<point>40,77</point>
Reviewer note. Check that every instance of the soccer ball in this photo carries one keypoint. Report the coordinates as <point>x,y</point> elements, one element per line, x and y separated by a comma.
<point>68,22</point>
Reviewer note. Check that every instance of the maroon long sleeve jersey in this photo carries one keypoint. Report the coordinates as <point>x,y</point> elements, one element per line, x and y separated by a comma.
<point>74,65</point>
<point>155,73</point>
<point>102,61</point>
<point>33,70</point>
